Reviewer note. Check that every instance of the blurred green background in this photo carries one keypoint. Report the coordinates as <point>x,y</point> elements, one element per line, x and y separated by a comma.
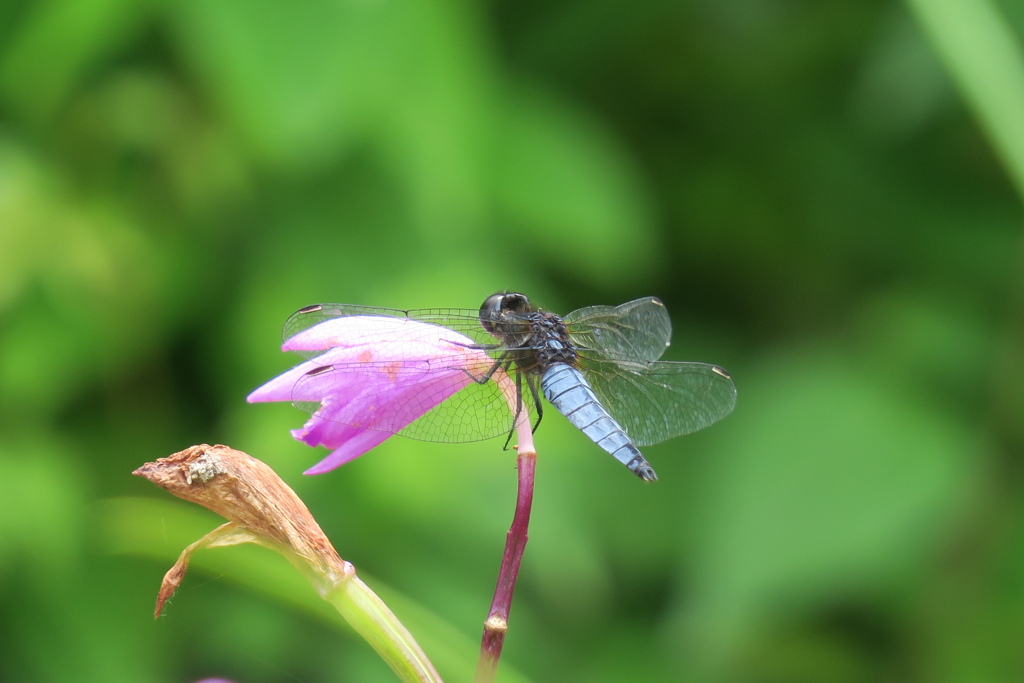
<point>827,196</point>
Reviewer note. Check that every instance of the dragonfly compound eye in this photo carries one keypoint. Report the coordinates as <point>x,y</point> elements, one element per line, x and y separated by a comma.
<point>513,302</point>
<point>490,312</point>
<point>500,311</point>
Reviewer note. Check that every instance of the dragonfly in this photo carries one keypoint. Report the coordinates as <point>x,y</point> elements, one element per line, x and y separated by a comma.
<point>598,366</point>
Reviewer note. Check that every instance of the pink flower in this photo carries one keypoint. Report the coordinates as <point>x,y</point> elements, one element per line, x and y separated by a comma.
<point>376,376</point>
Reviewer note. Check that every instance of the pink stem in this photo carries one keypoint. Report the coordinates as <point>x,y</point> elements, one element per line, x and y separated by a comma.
<point>515,542</point>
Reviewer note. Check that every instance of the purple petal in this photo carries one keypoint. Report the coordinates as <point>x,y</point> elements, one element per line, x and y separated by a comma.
<point>282,387</point>
<point>372,331</point>
<point>373,415</point>
<point>349,451</point>
<point>387,372</point>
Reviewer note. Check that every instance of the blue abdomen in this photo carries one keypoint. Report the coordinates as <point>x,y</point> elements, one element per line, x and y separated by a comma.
<point>565,387</point>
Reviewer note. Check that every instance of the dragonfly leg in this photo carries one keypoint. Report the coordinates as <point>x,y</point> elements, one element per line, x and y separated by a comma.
<point>502,361</point>
<point>531,381</point>
<point>519,407</point>
<point>485,377</point>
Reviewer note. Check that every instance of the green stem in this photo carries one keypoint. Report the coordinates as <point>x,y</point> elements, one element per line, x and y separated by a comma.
<point>378,625</point>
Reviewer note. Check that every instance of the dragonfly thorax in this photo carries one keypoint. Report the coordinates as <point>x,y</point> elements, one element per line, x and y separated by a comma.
<point>549,341</point>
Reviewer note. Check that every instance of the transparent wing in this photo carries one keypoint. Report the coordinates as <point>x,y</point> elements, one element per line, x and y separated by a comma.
<point>478,412</point>
<point>660,400</point>
<point>463,321</point>
<point>475,412</point>
<point>416,386</point>
<point>636,330</point>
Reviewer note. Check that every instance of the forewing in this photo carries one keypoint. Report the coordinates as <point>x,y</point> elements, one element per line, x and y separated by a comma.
<point>464,321</point>
<point>478,412</point>
<point>660,400</point>
<point>416,401</point>
<point>636,330</point>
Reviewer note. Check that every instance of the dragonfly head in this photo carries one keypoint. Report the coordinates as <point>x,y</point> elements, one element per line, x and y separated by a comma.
<point>500,310</point>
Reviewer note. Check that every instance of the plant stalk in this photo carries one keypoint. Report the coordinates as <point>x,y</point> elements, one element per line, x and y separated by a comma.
<point>496,624</point>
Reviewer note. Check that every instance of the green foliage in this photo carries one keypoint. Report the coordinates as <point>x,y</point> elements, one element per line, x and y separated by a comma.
<point>825,212</point>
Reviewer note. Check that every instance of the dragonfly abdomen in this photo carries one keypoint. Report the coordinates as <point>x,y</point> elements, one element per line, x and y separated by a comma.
<point>565,387</point>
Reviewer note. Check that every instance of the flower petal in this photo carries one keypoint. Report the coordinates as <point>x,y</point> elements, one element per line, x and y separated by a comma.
<point>372,331</point>
<point>377,375</point>
<point>373,415</point>
<point>283,387</point>
<point>350,450</point>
